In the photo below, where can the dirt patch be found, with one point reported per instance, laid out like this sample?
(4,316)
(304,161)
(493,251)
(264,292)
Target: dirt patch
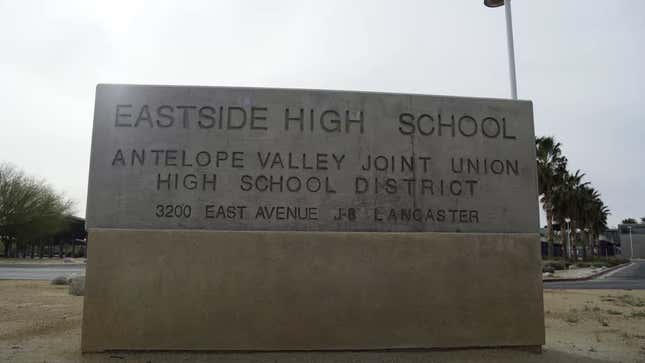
(604,324)
(34,314)
(32,308)
(40,322)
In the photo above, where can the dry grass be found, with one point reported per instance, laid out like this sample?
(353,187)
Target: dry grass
(27,308)
(602,324)
(41,322)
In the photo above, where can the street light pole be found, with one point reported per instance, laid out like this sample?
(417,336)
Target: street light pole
(509,41)
(631,244)
(568,230)
(511,48)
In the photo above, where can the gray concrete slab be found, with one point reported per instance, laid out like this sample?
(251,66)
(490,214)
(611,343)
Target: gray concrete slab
(310,160)
(226,290)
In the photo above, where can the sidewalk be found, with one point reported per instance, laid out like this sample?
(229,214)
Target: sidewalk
(579,274)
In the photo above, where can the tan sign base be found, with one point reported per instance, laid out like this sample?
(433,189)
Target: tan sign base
(215,290)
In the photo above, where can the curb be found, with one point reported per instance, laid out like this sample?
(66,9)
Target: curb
(592,276)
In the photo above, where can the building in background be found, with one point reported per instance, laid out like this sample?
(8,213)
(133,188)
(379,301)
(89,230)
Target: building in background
(558,250)
(632,240)
(609,243)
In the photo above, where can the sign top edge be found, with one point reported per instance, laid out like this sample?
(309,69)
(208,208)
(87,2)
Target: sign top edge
(117,85)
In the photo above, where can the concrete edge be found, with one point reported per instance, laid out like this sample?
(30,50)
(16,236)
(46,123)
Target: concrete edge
(191,230)
(534,349)
(592,276)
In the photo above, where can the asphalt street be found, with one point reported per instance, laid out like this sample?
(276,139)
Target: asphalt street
(631,277)
(38,272)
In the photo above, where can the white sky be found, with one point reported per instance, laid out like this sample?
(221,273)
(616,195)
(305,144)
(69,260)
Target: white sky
(582,62)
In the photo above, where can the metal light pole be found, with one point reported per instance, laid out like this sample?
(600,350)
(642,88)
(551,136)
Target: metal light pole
(568,229)
(509,41)
(631,244)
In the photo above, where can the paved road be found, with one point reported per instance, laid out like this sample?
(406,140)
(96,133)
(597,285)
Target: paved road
(629,278)
(38,272)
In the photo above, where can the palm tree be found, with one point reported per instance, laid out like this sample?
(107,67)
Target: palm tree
(551,169)
(599,222)
(564,203)
(578,203)
(587,200)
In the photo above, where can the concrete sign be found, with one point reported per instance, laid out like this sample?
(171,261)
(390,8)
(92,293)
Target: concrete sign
(302,160)
(202,201)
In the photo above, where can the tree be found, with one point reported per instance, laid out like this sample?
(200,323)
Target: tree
(579,204)
(566,198)
(598,223)
(592,216)
(551,169)
(30,211)
(629,221)
(563,203)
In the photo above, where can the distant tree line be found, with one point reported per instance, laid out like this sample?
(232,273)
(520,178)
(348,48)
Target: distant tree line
(567,198)
(33,216)
(632,220)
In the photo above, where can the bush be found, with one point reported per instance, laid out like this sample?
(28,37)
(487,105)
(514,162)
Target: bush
(638,314)
(617,261)
(60,280)
(572,316)
(77,286)
(602,261)
(548,268)
(555,265)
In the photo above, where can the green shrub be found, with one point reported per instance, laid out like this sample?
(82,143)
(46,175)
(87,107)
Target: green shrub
(555,265)
(548,268)
(60,280)
(617,261)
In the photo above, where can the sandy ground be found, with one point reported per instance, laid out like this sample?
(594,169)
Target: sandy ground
(41,323)
(605,324)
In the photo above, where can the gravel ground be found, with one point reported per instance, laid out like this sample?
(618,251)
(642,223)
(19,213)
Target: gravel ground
(41,323)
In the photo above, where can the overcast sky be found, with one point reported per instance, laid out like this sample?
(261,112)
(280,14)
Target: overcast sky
(582,63)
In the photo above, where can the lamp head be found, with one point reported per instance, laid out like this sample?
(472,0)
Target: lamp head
(493,3)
